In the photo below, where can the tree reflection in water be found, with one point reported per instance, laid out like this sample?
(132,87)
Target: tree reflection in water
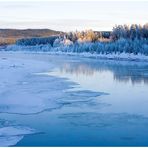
(123,71)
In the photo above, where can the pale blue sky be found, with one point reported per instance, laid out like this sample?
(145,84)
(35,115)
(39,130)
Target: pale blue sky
(71,15)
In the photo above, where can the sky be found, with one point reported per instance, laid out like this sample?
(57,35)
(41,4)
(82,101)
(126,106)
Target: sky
(71,15)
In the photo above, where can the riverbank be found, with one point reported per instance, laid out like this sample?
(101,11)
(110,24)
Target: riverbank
(47,49)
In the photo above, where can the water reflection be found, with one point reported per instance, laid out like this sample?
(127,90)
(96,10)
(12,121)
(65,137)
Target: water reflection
(136,72)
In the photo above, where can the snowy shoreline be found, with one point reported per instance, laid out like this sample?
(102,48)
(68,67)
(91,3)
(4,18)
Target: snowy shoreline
(43,50)
(113,56)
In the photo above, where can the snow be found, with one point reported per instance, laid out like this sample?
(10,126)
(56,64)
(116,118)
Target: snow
(58,51)
(111,56)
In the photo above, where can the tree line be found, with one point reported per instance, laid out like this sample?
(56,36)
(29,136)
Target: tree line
(123,38)
(132,32)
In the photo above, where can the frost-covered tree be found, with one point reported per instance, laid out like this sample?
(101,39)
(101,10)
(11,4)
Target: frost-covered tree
(130,32)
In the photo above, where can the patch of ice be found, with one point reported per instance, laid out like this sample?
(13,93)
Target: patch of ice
(10,141)
(85,93)
(11,135)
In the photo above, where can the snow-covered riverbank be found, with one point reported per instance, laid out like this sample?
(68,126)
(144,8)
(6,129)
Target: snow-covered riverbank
(53,51)
(113,56)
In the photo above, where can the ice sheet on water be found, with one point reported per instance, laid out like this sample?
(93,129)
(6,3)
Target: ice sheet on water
(25,89)
(24,92)
(10,136)
(35,95)
(11,133)
(15,131)
(82,98)
(9,141)
(85,93)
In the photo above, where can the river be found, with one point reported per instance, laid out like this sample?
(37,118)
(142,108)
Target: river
(73,101)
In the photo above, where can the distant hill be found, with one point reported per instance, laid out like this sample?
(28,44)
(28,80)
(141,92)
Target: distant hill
(9,36)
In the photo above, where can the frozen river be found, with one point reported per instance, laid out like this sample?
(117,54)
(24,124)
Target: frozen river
(51,100)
